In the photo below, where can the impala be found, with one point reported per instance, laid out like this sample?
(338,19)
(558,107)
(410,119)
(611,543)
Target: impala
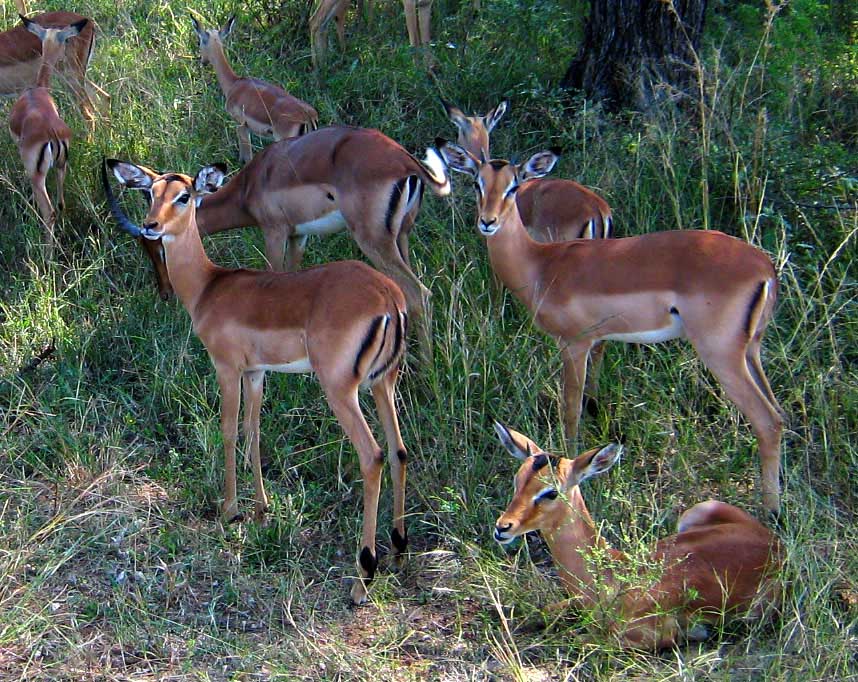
(721,562)
(712,289)
(552,209)
(20,56)
(329,180)
(257,106)
(343,321)
(36,127)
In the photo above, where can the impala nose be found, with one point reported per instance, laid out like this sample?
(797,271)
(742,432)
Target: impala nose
(500,531)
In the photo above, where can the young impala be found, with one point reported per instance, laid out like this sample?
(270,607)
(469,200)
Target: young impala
(552,209)
(329,180)
(257,106)
(343,321)
(722,561)
(36,127)
(20,56)
(714,290)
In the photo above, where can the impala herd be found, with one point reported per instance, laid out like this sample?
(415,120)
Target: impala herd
(549,242)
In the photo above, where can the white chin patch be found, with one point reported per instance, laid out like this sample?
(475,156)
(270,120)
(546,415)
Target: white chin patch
(488,231)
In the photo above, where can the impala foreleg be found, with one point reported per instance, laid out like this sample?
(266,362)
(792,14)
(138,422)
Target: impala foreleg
(253,384)
(591,384)
(275,243)
(574,374)
(155,251)
(295,246)
(384,393)
(245,148)
(229,380)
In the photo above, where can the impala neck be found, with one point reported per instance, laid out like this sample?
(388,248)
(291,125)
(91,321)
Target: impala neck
(224,209)
(46,69)
(513,255)
(188,266)
(225,75)
(572,540)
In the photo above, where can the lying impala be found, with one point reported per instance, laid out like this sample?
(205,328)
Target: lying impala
(257,106)
(418,20)
(329,180)
(37,128)
(722,561)
(344,321)
(552,209)
(20,56)
(714,290)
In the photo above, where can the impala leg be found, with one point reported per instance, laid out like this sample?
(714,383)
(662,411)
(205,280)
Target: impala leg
(591,385)
(424,21)
(253,384)
(275,242)
(295,245)
(574,373)
(340,22)
(384,393)
(318,43)
(46,210)
(411,22)
(245,149)
(229,380)
(155,251)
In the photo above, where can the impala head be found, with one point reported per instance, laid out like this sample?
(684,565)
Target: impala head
(54,39)
(474,131)
(495,181)
(543,481)
(172,197)
(209,38)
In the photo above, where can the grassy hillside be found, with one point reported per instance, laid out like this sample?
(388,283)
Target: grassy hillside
(114,564)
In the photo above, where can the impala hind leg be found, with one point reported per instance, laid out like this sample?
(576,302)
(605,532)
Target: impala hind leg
(295,246)
(253,384)
(574,373)
(591,384)
(229,380)
(245,148)
(46,210)
(384,393)
(275,243)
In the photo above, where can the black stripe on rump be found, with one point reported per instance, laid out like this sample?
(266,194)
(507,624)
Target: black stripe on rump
(367,342)
(608,224)
(393,204)
(399,334)
(381,345)
(65,146)
(756,302)
(42,157)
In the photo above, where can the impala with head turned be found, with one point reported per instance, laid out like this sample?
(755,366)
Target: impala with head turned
(256,105)
(21,57)
(343,321)
(712,289)
(38,129)
(721,563)
(324,182)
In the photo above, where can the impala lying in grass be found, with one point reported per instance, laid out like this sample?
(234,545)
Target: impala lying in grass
(722,562)
(343,321)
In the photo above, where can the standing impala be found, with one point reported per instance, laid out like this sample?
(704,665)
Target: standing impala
(722,561)
(714,290)
(329,180)
(257,106)
(37,128)
(20,56)
(344,321)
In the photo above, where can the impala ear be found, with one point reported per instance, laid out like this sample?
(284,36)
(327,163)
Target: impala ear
(538,165)
(71,31)
(131,175)
(209,179)
(495,115)
(227,28)
(457,158)
(594,462)
(36,29)
(515,443)
(198,29)
(456,115)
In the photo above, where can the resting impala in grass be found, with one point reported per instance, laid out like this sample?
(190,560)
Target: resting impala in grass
(327,181)
(552,209)
(257,106)
(714,290)
(20,56)
(37,128)
(343,321)
(722,561)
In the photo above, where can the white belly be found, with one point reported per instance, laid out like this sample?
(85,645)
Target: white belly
(672,331)
(328,224)
(301,366)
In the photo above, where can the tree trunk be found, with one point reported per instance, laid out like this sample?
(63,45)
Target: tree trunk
(633,47)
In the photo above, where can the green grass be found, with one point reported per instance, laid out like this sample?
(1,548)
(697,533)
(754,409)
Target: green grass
(114,564)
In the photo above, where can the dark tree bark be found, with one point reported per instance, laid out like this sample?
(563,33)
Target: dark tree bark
(632,46)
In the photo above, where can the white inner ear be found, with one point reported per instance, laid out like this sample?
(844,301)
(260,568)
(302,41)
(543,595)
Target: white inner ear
(198,200)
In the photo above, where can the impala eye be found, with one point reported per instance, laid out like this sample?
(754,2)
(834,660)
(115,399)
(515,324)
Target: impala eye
(182,199)
(546,494)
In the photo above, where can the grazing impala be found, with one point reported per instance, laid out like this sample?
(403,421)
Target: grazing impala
(714,290)
(722,561)
(257,106)
(20,56)
(41,135)
(552,209)
(344,321)
(329,180)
